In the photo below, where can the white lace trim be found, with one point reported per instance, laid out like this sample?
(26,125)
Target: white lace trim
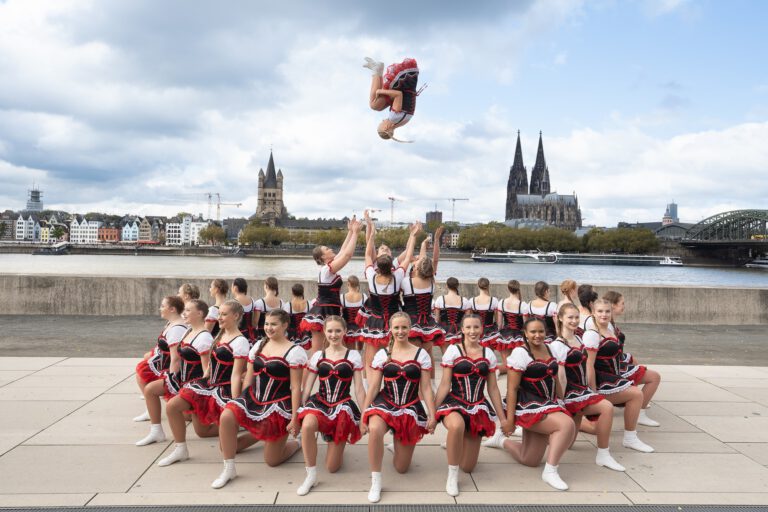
(400,412)
(470,410)
(540,410)
(614,390)
(581,398)
(272,409)
(336,411)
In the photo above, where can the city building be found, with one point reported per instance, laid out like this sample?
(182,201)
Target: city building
(670,214)
(184,231)
(109,233)
(152,230)
(452,240)
(435,217)
(84,231)
(7,226)
(538,201)
(27,229)
(270,208)
(233,226)
(34,200)
(129,231)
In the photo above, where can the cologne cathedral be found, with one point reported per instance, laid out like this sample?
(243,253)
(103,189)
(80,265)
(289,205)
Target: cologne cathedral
(537,202)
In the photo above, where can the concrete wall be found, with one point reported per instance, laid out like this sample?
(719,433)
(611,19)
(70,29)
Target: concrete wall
(97,295)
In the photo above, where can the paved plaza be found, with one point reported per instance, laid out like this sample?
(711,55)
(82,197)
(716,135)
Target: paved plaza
(67,439)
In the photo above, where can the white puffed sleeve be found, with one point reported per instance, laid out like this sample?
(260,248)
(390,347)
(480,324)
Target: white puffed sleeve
(559,351)
(519,359)
(424,360)
(240,347)
(379,359)
(356,359)
(312,364)
(254,350)
(449,356)
(591,340)
(202,342)
(296,357)
(175,334)
(493,363)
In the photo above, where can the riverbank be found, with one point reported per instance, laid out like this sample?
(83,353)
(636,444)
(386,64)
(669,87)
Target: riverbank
(43,295)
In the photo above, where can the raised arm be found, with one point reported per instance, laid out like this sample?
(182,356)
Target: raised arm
(348,248)
(436,238)
(370,235)
(397,98)
(407,255)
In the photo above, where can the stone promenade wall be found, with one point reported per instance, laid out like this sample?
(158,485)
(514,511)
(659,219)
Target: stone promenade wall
(98,295)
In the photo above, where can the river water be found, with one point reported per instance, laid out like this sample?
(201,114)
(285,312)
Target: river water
(305,268)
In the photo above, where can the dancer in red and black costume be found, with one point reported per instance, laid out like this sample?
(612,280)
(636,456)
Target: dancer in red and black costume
(587,297)
(218,291)
(485,306)
(394,89)
(568,292)
(532,403)
(351,303)
(297,308)
(329,284)
(449,309)
(249,321)
(404,370)
(543,309)
(639,374)
(264,305)
(468,370)
(418,292)
(512,319)
(205,398)
(331,411)
(268,406)
(158,360)
(189,359)
(384,288)
(579,398)
(604,373)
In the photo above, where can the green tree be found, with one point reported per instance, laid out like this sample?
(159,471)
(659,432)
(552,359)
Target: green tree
(3,227)
(57,232)
(213,234)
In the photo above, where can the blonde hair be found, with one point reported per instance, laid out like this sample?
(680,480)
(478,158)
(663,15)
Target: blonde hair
(235,308)
(399,314)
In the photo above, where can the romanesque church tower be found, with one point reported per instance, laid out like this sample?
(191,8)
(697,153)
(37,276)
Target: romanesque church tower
(270,207)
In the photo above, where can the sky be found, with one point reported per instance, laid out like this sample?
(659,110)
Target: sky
(143,107)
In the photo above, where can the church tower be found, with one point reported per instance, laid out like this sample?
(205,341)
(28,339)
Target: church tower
(517,183)
(540,184)
(270,207)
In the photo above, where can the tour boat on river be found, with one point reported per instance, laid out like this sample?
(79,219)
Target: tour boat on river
(761,262)
(537,257)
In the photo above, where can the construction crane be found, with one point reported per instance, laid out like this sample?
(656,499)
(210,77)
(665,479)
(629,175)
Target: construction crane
(453,205)
(218,204)
(392,209)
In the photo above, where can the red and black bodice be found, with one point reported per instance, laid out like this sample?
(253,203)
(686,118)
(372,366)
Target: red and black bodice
(539,380)
(271,379)
(246,327)
(487,315)
(575,366)
(295,320)
(513,320)
(335,379)
(418,305)
(222,363)
(608,359)
(383,306)
(401,382)
(350,315)
(450,318)
(191,367)
(328,293)
(468,379)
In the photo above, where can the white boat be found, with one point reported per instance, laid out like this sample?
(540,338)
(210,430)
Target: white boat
(515,257)
(761,262)
(671,260)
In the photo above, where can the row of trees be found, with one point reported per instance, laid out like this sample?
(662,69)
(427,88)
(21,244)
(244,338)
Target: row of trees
(496,236)
(493,236)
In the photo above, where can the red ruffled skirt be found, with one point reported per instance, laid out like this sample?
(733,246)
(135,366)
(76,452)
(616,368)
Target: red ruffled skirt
(478,418)
(146,373)
(393,70)
(408,423)
(337,424)
(206,402)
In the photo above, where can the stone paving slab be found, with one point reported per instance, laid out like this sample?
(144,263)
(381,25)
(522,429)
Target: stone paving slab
(70,427)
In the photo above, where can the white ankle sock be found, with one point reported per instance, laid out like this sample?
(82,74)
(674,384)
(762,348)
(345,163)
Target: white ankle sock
(179,453)
(551,476)
(604,458)
(374,495)
(309,482)
(156,435)
(452,484)
(227,474)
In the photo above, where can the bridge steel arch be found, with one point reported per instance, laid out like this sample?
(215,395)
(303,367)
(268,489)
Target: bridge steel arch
(733,226)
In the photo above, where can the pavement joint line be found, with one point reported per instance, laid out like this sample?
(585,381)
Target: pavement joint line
(36,371)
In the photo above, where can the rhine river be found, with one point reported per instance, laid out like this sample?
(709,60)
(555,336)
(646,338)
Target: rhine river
(305,268)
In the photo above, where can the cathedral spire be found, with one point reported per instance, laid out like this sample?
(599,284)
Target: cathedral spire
(540,184)
(518,174)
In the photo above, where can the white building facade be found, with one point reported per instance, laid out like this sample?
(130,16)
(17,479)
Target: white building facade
(27,229)
(184,231)
(130,232)
(84,231)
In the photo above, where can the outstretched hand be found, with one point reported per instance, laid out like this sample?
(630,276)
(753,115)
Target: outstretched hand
(439,233)
(415,228)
